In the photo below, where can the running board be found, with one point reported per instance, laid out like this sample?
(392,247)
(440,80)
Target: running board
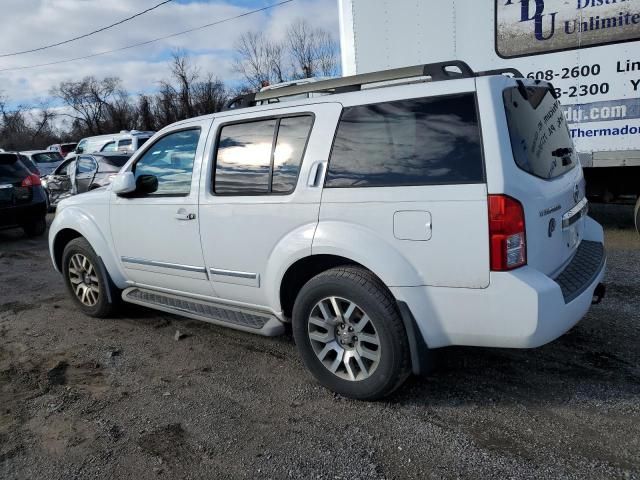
(251,321)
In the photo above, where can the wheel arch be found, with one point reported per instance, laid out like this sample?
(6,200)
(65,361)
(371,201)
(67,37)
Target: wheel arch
(73,223)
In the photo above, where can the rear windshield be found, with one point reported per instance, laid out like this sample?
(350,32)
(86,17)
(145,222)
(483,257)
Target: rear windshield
(540,138)
(49,157)
(11,169)
(112,164)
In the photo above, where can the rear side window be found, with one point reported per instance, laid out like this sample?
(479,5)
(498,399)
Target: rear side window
(427,141)
(12,169)
(263,157)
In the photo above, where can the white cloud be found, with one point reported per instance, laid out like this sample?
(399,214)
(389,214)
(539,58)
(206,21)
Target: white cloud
(33,23)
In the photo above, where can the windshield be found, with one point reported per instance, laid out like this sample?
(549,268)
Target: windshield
(540,138)
(48,157)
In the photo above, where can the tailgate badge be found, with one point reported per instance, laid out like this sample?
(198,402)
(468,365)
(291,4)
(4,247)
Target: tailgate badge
(552,227)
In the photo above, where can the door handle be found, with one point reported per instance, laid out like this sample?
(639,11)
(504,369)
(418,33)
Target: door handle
(315,175)
(185,216)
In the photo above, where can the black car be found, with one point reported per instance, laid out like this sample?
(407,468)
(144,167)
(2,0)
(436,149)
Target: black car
(23,202)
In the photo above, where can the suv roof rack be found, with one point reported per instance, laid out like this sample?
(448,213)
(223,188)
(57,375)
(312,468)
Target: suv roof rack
(440,71)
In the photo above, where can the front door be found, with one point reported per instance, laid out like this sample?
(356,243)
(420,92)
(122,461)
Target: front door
(157,234)
(86,168)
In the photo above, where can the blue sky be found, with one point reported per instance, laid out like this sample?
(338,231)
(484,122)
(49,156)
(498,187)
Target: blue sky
(33,23)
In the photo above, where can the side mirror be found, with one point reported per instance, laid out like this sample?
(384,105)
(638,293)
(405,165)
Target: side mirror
(146,184)
(79,150)
(124,183)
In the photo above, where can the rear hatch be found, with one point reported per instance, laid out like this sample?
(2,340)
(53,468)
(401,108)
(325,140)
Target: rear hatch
(16,181)
(554,202)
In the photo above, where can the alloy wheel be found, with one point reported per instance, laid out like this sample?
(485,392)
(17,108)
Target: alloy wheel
(84,280)
(344,338)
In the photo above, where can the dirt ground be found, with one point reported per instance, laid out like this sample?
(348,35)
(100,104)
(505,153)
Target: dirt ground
(81,398)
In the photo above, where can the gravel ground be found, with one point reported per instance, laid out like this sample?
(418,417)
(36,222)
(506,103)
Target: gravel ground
(82,398)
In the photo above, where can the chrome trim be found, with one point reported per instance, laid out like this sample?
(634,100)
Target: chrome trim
(231,273)
(575,214)
(173,266)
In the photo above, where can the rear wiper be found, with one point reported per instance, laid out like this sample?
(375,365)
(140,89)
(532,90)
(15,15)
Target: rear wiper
(565,154)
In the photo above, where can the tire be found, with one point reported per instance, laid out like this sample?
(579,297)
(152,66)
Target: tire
(637,215)
(35,228)
(87,281)
(366,309)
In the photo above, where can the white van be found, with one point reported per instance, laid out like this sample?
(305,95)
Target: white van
(127,141)
(445,208)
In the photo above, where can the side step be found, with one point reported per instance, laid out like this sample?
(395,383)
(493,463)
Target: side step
(251,321)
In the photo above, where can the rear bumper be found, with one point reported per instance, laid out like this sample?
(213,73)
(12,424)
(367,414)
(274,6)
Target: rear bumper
(519,309)
(22,214)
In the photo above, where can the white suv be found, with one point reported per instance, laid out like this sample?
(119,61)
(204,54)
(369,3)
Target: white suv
(380,222)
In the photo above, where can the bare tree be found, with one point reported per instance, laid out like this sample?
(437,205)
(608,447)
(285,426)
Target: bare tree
(313,52)
(209,96)
(259,60)
(186,74)
(88,100)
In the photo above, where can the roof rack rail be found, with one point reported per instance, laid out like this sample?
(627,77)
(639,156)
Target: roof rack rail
(440,71)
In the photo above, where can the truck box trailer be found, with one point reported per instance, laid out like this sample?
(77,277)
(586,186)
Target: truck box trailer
(588,49)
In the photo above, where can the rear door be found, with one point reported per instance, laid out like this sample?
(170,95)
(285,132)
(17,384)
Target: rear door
(544,174)
(260,198)
(406,171)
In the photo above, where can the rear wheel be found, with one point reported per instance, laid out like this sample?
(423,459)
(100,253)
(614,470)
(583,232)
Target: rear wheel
(637,214)
(35,228)
(88,281)
(350,334)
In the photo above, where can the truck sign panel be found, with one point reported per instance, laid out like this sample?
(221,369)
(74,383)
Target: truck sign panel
(588,49)
(532,27)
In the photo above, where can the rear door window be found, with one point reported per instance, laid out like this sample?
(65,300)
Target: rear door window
(261,157)
(540,138)
(425,141)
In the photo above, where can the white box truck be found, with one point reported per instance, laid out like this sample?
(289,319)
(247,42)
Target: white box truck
(588,49)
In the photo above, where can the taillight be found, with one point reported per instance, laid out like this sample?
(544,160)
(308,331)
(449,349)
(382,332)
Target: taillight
(31,181)
(507,233)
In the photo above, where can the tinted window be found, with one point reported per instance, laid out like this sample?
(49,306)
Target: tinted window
(170,159)
(540,139)
(243,162)
(427,141)
(249,162)
(142,141)
(30,164)
(124,145)
(292,140)
(49,157)
(85,165)
(12,169)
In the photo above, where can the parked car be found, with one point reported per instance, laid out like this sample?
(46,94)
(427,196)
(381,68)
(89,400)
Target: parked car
(126,141)
(22,198)
(46,161)
(63,148)
(82,174)
(380,222)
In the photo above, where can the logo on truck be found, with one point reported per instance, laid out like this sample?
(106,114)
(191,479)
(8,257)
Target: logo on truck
(529,27)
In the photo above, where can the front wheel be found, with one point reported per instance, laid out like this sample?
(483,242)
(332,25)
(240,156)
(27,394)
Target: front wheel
(87,280)
(350,334)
